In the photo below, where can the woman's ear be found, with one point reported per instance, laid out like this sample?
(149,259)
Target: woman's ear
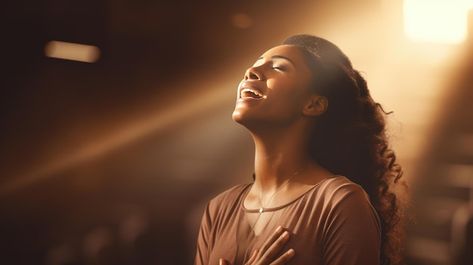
(315,106)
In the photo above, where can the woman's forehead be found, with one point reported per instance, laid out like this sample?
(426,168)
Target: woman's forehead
(292,52)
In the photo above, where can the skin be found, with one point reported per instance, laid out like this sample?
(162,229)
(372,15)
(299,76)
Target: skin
(268,253)
(279,125)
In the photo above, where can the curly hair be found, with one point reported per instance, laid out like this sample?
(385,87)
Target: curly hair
(350,137)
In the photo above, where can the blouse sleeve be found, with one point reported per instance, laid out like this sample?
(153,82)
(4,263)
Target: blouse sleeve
(352,232)
(202,251)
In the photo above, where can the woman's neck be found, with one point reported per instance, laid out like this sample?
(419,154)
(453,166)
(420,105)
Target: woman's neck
(280,155)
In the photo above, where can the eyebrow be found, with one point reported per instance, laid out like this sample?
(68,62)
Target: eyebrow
(278,57)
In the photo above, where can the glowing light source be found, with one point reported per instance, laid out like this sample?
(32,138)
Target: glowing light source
(72,51)
(440,21)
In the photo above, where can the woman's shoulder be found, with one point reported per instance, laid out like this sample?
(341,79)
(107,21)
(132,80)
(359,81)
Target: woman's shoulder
(230,193)
(338,188)
(227,197)
(343,199)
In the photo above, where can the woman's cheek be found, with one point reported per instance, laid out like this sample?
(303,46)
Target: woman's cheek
(280,85)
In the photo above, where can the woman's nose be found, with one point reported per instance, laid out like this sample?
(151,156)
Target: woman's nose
(252,73)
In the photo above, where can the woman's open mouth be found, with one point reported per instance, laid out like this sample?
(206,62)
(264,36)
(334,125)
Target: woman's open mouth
(251,93)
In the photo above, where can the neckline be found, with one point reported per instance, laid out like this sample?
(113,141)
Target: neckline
(271,209)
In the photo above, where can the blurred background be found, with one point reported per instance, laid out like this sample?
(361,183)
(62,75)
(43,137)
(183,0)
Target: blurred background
(116,121)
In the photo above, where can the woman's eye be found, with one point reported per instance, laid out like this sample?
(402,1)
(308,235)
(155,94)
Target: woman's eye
(280,68)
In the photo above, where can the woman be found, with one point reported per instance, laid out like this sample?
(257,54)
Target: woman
(324,174)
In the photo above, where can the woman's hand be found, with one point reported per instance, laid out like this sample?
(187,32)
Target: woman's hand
(267,254)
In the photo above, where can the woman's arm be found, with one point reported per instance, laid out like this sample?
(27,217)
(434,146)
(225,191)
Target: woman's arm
(202,250)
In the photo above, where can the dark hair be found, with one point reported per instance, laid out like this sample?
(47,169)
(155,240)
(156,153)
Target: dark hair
(350,138)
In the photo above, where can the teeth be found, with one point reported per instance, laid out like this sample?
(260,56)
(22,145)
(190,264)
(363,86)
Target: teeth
(252,91)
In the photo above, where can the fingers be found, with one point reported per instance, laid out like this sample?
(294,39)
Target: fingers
(270,249)
(271,239)
(275,247)
(284,258)
(252,257)
(223,262)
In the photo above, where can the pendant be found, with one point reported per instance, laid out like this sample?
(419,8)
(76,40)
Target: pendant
(261,210)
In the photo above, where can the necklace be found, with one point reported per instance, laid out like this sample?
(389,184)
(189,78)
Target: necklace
(262,209)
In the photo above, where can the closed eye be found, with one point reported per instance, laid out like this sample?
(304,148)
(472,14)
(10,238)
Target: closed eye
(279,68)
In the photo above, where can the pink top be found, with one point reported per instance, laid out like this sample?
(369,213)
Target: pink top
(333,223)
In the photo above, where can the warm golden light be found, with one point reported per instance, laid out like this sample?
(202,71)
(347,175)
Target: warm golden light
(72,51)
(137,129)
(439,21)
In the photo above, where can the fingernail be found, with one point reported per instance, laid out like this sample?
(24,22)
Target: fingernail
(291,252)
(220,262)
(286,234)
(279,229)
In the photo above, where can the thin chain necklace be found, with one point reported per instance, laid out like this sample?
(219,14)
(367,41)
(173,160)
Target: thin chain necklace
(262,209)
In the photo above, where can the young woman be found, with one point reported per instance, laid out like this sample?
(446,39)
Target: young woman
(324,174)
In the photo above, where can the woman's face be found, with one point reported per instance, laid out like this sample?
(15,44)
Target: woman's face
(274,90)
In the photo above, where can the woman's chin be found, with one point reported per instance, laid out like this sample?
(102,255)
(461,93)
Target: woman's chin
(241,116)
(238,116)
(250,122)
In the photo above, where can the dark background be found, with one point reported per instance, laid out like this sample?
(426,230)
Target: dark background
(112,162)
